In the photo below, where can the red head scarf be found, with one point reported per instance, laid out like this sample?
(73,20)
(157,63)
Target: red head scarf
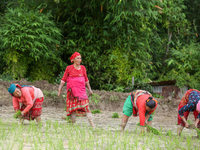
(74,56)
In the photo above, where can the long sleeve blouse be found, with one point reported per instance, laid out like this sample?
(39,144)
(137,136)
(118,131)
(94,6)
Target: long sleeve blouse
(28,95)
(141,104)
(72,72)
(194,98)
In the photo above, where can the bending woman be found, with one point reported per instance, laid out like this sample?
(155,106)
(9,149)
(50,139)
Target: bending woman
(141,103)
(31,99)
(77,100)
(189,102)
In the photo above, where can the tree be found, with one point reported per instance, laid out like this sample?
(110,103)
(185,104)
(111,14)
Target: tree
(31,43)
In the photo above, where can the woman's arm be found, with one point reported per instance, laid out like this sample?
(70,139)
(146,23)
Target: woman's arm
(146,118)
(186,123)
(60,88)
(197,121)
(26,94)
(15,104)
(89,88)
(185,108)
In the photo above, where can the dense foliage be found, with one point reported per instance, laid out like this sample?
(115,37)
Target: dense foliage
(150,40)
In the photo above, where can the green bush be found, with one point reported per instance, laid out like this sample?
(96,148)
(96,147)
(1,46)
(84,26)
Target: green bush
(157,95)
(141,86)
(31,43)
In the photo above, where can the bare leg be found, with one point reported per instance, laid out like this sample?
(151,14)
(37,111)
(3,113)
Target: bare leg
(38,119)
(179,129)
(124,122)
(73,117)
(89,116)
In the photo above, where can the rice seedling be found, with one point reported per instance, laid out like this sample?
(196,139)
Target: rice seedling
(95,98)
(153,130)
(96,111)
(59,135)
(115,115)
(17,114)
(193,127)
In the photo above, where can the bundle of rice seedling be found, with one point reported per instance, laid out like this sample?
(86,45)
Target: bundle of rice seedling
(153,130)
(17,114)
(96,111)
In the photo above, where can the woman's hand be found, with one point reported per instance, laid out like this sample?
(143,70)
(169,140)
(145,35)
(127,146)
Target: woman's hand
(90,92)
(196,123)
(142,131)
(185,121)
(187,124)
(59,93)
(22,113)
(60,88)
(146,121)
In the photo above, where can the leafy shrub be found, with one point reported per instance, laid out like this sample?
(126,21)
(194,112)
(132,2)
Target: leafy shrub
(115,115)
(157,95)
(30,41)
(119,89)
(141,86)
(6,77)
(59,77)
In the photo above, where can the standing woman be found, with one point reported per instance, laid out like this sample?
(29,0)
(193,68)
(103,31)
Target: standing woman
(31,99)
(139,103)
(189,102)
(77,100)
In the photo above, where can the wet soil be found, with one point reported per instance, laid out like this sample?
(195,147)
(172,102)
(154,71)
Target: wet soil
(108,102)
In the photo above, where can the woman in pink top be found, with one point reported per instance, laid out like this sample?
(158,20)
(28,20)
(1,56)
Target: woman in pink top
(77,100)
(31,99)
(139,103)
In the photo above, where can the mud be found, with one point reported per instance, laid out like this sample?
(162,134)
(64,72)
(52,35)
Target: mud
(109,102)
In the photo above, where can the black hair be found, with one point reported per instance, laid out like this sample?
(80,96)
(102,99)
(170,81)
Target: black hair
(150,103)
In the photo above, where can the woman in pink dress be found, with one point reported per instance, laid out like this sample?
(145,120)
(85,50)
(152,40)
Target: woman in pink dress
(77,100)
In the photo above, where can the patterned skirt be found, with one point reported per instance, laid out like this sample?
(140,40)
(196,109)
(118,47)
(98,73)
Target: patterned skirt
(35,111)
(73,105)
(191,95)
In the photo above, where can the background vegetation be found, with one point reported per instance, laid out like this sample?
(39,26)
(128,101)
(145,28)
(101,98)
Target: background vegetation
(151,40)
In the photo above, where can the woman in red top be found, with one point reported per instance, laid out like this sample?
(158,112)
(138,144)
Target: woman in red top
(31,99)
(77,100)
(139,103)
